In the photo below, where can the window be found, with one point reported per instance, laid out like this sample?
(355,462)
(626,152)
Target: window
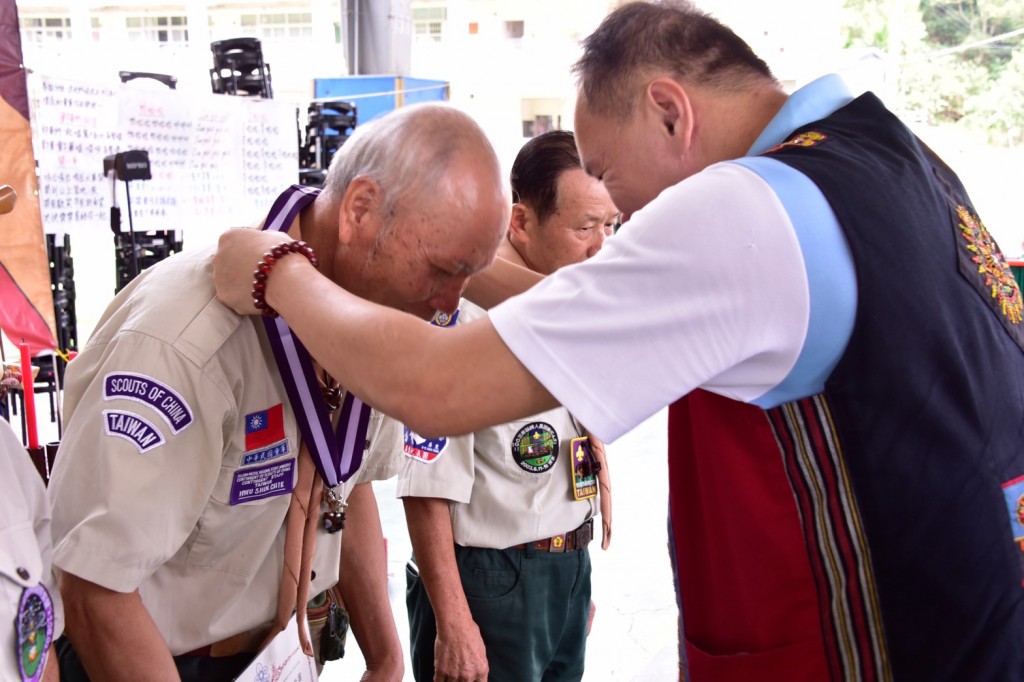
(539,125)
(157,29)
(514,29)
(428,23)
(279,26)
(44,29)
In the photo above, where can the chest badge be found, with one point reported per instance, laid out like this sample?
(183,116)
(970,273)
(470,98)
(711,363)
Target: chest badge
(584,469)
(535,447)
(809,138)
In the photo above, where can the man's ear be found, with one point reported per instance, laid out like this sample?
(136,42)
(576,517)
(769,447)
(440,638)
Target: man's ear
(360,209)
(669,104)
(522,222)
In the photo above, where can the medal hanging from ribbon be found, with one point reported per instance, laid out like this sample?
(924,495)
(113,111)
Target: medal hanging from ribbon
(338,453)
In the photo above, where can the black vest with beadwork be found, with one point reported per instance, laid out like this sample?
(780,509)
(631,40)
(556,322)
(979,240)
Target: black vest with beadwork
(915,517)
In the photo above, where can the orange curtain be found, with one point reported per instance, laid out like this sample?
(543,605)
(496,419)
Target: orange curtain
(26,300)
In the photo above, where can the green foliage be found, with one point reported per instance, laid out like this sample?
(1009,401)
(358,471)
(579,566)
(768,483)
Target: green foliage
(998,111)
(950,70)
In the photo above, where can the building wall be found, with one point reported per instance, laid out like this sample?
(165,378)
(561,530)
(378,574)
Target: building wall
(508,61)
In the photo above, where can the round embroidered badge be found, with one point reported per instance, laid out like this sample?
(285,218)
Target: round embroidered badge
(33,632)
(535,447)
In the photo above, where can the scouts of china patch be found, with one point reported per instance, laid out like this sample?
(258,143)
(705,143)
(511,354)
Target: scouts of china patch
(806,139)
(426,450)
(33,632)
(982,263)
(148,391)
(1013,491)
(535,447)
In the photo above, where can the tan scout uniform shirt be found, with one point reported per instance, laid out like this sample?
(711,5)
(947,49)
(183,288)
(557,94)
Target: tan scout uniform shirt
(156,450)
(24,544)
(495,501)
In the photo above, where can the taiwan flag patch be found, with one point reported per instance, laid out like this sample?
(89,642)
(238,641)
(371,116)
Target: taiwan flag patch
(264,428)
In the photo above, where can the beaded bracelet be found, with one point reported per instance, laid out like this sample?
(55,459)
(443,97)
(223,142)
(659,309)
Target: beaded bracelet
(263,268)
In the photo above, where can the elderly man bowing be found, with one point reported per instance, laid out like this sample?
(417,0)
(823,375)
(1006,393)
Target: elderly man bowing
(187,505)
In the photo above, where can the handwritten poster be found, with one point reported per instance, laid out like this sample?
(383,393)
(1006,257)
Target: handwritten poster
(215,159)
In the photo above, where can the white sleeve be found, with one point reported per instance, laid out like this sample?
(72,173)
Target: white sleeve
(703,288)
(22,487)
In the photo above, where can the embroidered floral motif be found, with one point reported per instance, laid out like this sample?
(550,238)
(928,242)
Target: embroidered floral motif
(991,265)
(807,139)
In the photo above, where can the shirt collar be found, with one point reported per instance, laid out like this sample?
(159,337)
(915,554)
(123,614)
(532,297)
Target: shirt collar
(813,102)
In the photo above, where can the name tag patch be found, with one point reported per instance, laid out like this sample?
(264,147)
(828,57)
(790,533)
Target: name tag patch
(260,483)
(132,428)
(264,454)
(147,390)
(422,449)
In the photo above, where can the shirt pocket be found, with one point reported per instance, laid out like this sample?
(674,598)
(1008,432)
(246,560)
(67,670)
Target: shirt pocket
(236,538)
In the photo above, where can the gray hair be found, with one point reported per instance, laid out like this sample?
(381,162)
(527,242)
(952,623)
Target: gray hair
(407,152)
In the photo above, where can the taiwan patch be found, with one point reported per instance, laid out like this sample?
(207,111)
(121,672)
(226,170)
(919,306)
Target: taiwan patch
(422,449)
(535,447)
(982,263)
(132,428)
(147,390)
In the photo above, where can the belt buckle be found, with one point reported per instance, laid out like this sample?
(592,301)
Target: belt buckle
(557,543)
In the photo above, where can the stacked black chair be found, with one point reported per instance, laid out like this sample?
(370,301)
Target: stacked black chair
(167,79)
(328,127)
(239,69)
(62,284)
